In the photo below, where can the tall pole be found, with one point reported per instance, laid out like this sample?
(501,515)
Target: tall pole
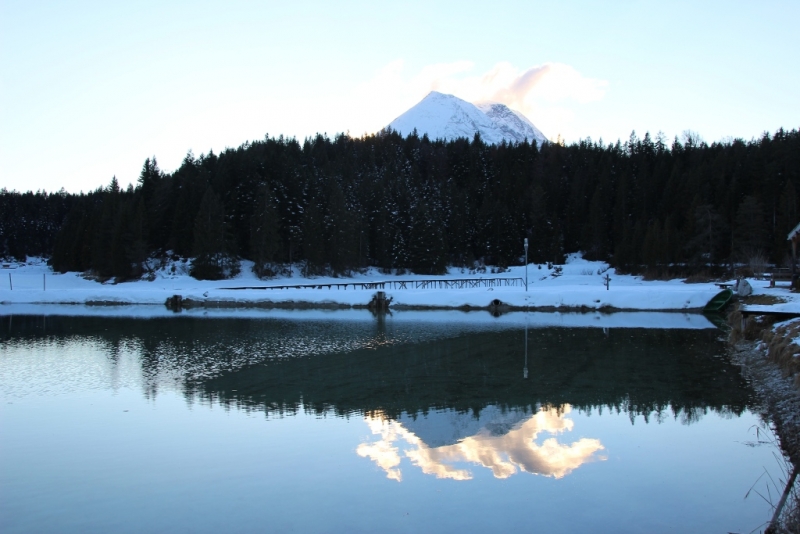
(526,264)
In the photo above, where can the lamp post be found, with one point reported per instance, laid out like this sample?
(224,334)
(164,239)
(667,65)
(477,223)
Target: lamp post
(526,264)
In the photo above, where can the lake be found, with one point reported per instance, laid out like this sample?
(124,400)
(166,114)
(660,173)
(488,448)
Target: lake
(341,421)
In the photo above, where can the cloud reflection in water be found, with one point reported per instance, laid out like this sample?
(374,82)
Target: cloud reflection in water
(504,453)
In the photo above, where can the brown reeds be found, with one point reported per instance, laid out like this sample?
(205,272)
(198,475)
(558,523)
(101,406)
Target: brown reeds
(783,349)
(751,329)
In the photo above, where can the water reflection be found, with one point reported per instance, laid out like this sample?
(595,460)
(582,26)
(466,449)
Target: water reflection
(501,444)
(440,401)
(389,366)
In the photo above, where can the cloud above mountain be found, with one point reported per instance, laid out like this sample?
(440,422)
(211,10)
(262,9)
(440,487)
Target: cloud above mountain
(550,94)
(516,88)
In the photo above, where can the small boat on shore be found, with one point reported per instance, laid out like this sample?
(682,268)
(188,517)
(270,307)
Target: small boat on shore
(719,301)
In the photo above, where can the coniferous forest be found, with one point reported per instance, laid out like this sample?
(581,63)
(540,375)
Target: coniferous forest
(337,205)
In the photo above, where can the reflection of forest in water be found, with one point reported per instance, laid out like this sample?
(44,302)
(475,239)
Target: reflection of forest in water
(442,397)
(398,370)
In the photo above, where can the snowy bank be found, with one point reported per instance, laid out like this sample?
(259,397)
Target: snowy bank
(579,284)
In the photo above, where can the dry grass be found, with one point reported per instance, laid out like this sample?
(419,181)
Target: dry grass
(94,277)
(757,263)
(761,299)
(690,272)
(783,350)
(790,518)
(780,345)
(666,273)
(653,275)
(792,522)
(700,278)
(754,326)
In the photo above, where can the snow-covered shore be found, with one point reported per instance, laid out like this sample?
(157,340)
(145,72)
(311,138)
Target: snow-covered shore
(579,285)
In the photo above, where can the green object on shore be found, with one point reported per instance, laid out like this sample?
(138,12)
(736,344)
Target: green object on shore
(719,301)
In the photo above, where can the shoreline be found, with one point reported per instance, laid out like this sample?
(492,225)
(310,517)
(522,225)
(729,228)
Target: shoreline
(780,397)
(566,298)
(474,317)
(501,307)
(779,400)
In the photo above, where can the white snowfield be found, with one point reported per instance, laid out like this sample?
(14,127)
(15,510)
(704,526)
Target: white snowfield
(442,116)
(580,285)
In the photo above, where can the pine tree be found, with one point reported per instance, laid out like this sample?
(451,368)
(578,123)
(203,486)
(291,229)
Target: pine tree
(182,232)
(342,233)
(710,232)
(137,251)
(149,179)
(313,238)
(264,236)
(750,234)
(213,259)
(428,250)
(786,219)
(119,265)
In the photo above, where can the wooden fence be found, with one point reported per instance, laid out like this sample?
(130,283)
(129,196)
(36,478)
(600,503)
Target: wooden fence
(458,283)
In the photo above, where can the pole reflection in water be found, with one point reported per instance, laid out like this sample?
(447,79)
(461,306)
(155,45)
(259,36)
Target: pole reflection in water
(190,423)
(525,369)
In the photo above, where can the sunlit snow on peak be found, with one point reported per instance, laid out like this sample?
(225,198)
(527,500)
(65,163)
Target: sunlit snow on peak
(443,116)
(514,125)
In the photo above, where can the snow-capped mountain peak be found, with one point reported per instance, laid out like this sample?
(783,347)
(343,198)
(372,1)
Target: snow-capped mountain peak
(513,124)
(443,116)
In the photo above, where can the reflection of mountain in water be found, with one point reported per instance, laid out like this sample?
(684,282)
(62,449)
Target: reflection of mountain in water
(416,368)
(495,444)
(446,427)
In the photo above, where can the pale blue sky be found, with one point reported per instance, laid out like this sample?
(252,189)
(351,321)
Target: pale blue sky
(88,90)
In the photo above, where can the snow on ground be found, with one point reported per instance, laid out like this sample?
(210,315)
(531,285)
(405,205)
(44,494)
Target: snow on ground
(580,284)
(791,301)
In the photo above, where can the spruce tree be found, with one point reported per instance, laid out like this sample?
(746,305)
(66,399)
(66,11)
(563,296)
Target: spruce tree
(264,235)
(750,234)
(213,259)
(427,248)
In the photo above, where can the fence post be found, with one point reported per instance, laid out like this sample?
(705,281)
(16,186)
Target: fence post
(9,282)
(44,283)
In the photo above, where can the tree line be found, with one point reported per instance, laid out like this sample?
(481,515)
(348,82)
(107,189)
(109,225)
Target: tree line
(411,203)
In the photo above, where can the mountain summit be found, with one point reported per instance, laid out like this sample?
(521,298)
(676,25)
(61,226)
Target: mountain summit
(448,117)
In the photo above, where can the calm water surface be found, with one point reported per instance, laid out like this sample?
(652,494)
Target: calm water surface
(365,424)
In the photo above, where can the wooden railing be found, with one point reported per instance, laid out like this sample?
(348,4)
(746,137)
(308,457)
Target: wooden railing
(458,283)
(779,275)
